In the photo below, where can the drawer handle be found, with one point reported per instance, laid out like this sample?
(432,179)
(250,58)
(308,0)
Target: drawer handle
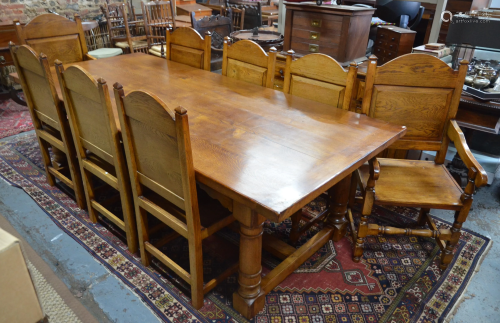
(316,22)
(314,35)
(313,48)
(390,46)
(390,54)
(393,38)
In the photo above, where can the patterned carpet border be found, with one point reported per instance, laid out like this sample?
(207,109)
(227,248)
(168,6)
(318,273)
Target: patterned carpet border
(14,119)
(177,310)
(171,305)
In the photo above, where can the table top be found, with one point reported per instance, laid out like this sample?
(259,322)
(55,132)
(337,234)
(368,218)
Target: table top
(268,150)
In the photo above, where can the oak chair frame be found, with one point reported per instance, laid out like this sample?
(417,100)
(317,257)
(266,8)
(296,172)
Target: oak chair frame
(99,154)
(401,74)
(181,213)
(159,16)
(118,22)
(324,74)
(39,32)
(247,56)
(186,46)
(49,117)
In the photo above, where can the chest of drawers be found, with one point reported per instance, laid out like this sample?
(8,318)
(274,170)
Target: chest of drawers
(338,31)
(392,42)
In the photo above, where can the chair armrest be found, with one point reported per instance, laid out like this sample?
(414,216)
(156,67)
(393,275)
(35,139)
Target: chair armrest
(89,57)
(457,136)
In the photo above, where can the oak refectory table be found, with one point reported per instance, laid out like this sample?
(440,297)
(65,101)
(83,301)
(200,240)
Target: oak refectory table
(264,154)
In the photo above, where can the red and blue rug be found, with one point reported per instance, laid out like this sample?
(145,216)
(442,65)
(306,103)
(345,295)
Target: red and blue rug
(398,279)
(14,119)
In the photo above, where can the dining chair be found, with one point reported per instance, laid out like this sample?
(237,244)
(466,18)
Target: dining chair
(245,60)
(158,18)
(422,93)
(158,149)
(219,27)
(98,148)
(253,12)
(125,31)
(237,16)
(185,45)
(55,36)
(49,119)
(320,78)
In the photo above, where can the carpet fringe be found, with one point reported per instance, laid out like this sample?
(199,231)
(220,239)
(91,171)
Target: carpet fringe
(461,299)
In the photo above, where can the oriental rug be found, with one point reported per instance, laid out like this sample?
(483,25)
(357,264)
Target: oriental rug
(398,279)
(14,119)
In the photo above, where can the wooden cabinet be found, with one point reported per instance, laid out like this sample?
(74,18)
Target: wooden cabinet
(338,31)
(392,42)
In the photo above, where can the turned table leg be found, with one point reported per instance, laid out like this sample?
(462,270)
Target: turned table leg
(246,300)
(339,197)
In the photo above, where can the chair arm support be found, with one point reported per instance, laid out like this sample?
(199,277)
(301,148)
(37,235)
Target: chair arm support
(89,57)
(374,172)
(457,136)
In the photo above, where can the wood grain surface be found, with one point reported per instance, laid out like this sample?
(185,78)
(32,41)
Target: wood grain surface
(270,151)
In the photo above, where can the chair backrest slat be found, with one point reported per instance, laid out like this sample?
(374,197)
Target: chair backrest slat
(55,36)
(418,91)
(320,78)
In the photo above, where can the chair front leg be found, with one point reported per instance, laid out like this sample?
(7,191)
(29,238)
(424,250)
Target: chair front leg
(368,199)
(460,218)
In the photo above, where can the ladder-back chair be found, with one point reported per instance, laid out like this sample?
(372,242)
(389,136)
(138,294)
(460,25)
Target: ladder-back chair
(185,45)
(99,151)
(158,149)
(55,36)
(158,18)
(49,119)
(245,60)
(422,93)
(124,30)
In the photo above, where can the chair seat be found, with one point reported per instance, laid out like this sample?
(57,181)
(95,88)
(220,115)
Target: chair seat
(156,50)
(136,44)
(414,183)
(106,52)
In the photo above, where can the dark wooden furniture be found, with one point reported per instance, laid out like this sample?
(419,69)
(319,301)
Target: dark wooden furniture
(392,42)
(98,146)
(253,13)
(49,119)
(185,45)
(124,30)
(8,88)
(249,161)
(158,18)
(421,93)
(245,60)
(338,31)
(237,17)
(55,36)
(164,185)
(219,27)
